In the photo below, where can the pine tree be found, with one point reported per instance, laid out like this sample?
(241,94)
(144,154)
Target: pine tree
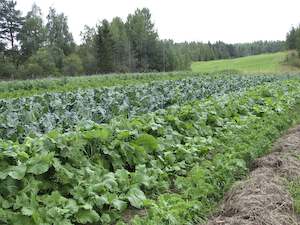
(10,25)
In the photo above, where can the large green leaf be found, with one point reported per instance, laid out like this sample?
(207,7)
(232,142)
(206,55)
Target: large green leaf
(63,175)
(31,185)
(136,197)
(57,212)
(9,153)
(119,204)
(148,142)
(105,218)
(40,164)
(16,172)
(84,216)
(19,219)
(101,134)
(27,211)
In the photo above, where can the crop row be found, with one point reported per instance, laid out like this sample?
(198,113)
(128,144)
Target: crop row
(9,90)
(93,173)
(62,111)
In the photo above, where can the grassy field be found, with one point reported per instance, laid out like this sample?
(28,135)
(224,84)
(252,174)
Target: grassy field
(265,64)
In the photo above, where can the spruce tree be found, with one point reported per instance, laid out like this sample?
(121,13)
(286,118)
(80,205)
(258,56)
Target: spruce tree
(104,47)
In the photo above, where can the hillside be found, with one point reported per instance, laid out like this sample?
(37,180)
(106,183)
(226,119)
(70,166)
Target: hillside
(265,63)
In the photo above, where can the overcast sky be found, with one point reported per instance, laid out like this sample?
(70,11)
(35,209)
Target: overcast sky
(230,21)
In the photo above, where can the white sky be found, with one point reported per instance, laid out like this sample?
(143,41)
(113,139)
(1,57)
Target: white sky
(230,21)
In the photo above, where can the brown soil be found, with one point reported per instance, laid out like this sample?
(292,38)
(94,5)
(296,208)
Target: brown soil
(263,198)
(130,213)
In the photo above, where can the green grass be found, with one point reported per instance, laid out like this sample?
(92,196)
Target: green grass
(294,187)
(266,63)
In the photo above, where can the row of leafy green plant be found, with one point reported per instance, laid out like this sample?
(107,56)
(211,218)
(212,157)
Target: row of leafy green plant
(62,111)
(9,90)
(175,163)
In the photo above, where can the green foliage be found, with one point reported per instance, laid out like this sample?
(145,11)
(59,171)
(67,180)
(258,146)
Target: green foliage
(58,32)
(57,56)
(62,111)
(8,68)
(132,46)
(121,46)
(220,50)
(104,46)
(116,47)
(294,187)
(42,59)
(32,35)
(33,69)
(87,51)
(293,39)
(28,88)
(94,172)
(72,65)
(10,24)
(143,36)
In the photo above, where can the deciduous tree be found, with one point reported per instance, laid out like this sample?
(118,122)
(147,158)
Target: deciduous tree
(87,51)
(43,58)
(120,38)
(58,32)
(143,37)
(57,56)
(33,33)
(72,65)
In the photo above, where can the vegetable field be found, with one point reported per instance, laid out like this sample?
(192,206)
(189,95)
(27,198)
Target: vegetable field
(14,89)
(169,148)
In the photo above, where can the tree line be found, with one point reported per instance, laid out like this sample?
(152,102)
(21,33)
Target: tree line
(220,50)
(30,46)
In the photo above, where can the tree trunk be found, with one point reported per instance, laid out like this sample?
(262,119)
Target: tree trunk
(12,42)
(129,56)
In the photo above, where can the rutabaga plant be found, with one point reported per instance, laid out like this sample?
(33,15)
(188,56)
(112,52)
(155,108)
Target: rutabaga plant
(93,173)
(62,111)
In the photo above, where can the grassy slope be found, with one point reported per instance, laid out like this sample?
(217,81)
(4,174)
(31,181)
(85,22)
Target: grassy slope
(266,63)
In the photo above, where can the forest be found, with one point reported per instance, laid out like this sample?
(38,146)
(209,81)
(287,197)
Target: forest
(33,48)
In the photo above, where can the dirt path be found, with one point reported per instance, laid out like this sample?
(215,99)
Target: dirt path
(263,198)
